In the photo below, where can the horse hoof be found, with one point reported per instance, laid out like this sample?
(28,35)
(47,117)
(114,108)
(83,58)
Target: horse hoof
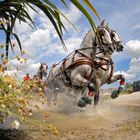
(114,94)
(82,109)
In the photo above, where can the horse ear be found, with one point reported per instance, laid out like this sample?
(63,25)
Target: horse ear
(108,28)
(104,23)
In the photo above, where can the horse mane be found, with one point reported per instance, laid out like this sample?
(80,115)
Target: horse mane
(85,37)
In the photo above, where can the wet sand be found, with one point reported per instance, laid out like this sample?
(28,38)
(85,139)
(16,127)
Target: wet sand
(114,119)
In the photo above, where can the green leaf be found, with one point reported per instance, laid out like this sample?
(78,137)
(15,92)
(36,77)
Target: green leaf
(83,10)
(7,32)
(63,1)
(92,8)
(28,16)
(18,40)
(7,41)
(51,18)
(60,13)
(11,47)
(57,17)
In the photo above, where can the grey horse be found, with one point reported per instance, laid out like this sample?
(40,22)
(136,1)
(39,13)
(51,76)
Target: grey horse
(81,60)
(82,69)
(42,71)
(41,76)
(104,74)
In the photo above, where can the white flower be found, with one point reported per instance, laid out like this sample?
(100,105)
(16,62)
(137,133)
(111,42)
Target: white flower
(30,114)
(3,105)
(15,124)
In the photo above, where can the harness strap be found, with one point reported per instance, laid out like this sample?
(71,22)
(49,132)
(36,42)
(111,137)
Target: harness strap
(101,63)
(83,61)
(82,54)
(101,58)
(106,62)
(78,63)
(86,61)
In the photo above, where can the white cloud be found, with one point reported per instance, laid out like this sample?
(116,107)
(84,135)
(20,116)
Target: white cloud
(10,72)
(133,48)
(128,76)
(73,15)
(44,40)
(136,27)
(133,70)
(23,68)
(71,44)
(43,37)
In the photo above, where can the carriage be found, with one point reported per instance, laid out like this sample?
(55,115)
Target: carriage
(136,86)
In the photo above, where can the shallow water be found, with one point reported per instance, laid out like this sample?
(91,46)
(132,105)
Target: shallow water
(125,107)
(66,114)
(110,120)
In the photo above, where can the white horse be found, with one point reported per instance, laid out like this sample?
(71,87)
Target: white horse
(90,66)
(41,76)
(76,69)
(42,71)
(104,73)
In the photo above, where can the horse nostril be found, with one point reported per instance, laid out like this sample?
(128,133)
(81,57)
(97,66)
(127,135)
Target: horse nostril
(121,47)
(111,49)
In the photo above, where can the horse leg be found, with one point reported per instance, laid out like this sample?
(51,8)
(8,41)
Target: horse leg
(121,86)
(86,99)
(96,98)
(97,92)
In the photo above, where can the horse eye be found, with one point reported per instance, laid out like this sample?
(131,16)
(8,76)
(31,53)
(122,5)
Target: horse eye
(101,32)
(112,34)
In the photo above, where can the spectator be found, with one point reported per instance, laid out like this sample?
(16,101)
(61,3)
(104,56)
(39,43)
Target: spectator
(27,77)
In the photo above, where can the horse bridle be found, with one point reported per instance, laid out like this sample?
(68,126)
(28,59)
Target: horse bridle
(100,45)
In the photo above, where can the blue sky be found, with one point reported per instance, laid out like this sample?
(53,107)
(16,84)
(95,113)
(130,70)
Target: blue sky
(43,45)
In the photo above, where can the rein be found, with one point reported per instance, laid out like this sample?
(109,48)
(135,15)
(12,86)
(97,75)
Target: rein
(88,61)
(75,51)
(94,64)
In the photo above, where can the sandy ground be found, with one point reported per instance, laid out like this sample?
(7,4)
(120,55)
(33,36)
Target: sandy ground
(116,119)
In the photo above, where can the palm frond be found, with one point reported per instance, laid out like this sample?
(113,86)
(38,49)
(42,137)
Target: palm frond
(13,10)
(84,11)
(90,6)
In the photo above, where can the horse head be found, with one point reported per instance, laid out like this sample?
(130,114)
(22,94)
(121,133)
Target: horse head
(104,34)
(43,70)
(117,44)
